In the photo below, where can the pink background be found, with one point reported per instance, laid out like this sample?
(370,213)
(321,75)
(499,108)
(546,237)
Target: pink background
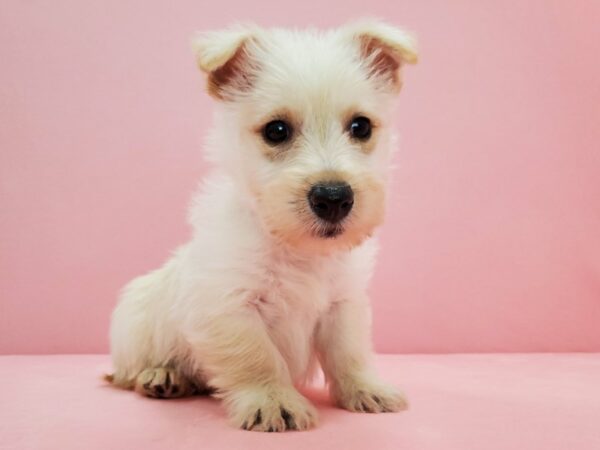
(493,237)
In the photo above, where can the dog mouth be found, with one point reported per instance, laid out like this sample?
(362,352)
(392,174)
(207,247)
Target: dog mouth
(329,231)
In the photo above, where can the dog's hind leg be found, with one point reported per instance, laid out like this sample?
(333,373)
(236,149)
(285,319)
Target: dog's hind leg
(143,338)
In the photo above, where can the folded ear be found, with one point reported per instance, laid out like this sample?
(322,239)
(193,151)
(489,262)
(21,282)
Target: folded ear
(224,56)
(384,49)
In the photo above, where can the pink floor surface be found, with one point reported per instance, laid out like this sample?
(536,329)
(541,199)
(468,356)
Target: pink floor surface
(458,402)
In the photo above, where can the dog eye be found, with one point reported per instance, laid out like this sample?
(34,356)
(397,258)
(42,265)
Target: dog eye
(277,132)
(360,128)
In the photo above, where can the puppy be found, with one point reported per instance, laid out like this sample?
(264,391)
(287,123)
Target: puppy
(273,282)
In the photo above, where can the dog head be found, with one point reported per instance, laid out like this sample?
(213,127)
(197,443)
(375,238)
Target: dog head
(303,124)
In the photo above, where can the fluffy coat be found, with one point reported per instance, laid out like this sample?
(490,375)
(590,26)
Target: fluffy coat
(265,290)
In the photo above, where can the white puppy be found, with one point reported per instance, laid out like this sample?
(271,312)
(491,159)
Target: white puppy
(274,279)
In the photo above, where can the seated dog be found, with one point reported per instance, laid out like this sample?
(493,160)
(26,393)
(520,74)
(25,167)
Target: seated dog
(273,282)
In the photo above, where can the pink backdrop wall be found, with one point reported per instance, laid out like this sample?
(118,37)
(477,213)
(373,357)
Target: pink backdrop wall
(493,237)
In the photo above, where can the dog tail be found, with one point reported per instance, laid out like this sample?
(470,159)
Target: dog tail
(114,381)
(109,377)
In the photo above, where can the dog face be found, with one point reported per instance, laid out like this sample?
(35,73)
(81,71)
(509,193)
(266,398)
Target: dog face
(303,125)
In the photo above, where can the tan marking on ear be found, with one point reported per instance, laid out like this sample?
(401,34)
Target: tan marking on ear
(234,73)
(225,57)
(382,60)
(385,49)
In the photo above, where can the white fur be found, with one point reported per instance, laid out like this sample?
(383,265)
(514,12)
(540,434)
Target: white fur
(257,296)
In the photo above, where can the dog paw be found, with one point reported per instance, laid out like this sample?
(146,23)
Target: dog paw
(268,409)
(162,382)
(361,395)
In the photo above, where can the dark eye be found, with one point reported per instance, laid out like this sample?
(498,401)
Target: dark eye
(277,132)
(360,128)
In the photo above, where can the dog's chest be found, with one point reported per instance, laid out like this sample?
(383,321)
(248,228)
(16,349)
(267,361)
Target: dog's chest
(292,300)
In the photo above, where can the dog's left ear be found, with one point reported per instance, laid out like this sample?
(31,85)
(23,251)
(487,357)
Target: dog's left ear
(384,49)
(225,56)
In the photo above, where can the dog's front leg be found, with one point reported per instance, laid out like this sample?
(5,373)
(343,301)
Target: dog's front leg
(250,375)
(344,347)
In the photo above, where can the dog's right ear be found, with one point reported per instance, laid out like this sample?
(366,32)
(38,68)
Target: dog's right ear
(224,56)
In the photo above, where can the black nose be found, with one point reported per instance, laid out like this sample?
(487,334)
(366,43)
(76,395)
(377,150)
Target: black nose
(331,201)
